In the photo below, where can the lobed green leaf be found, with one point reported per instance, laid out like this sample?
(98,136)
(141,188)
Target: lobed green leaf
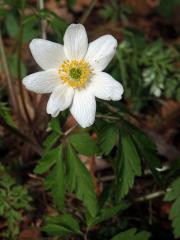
(80,181)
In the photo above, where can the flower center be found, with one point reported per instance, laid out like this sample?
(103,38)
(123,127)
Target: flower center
(75,73)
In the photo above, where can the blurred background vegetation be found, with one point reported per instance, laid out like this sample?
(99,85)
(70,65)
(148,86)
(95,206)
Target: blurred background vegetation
(131,152)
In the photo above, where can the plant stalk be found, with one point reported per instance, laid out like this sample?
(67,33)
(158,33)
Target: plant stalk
(43,22)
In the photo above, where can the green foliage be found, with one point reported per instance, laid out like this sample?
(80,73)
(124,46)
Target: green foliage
(14,200)
(47,161)
(167,7)
(2,11)
(13,62)
(148,152)
(174,195)
(55,134)
(63,225)
(113,12)
(80,181)
(107,138)
(132,234)
(30,31)
(12,26)
(55,181)
(147,69)
(58,184)
(57,24)
(128,164)
(83,143)
(107,212)
(5,115)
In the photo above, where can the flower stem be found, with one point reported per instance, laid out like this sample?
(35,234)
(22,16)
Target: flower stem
(43,22)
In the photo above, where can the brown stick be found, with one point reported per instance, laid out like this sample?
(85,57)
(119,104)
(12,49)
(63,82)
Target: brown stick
(13,98)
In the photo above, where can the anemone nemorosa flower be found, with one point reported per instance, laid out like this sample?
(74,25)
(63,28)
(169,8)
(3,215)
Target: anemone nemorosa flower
(73,73)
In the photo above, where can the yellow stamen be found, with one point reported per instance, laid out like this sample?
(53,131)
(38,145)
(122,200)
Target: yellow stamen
(75,72)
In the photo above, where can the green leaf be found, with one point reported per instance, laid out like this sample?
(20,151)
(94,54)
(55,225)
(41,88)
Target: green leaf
(49,180)
(12,25)
(50,140)
(55,125)
(47,161)
(30,27)
(148,152)
(67,221)
(147,147)
(58,186)
(55,181)
(108,139)
(128,165)
(13,61)
(174,194)
(83,143)
(80,181)
(107,213)
(5,115)
(56,230)
(132,234)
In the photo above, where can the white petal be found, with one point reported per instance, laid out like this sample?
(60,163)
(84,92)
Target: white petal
(75,42)
(42,82)
(46,53)
(101,51)
(60,99)
(84,108)
(105,87)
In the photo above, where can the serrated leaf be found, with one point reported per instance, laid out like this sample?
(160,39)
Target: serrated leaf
(107,213)
(128,165)
(58,186)
(132,234)
(83,143)
(80,181)
(108,139)
(50,140)
(49,180)
(174,192)
(174,215)
(67,221)
(176,222)
(47,161)
(148,151)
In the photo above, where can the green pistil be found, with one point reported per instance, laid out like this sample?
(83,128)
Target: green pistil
(75,73)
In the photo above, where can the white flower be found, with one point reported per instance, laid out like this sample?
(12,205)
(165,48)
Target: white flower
(73,73)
